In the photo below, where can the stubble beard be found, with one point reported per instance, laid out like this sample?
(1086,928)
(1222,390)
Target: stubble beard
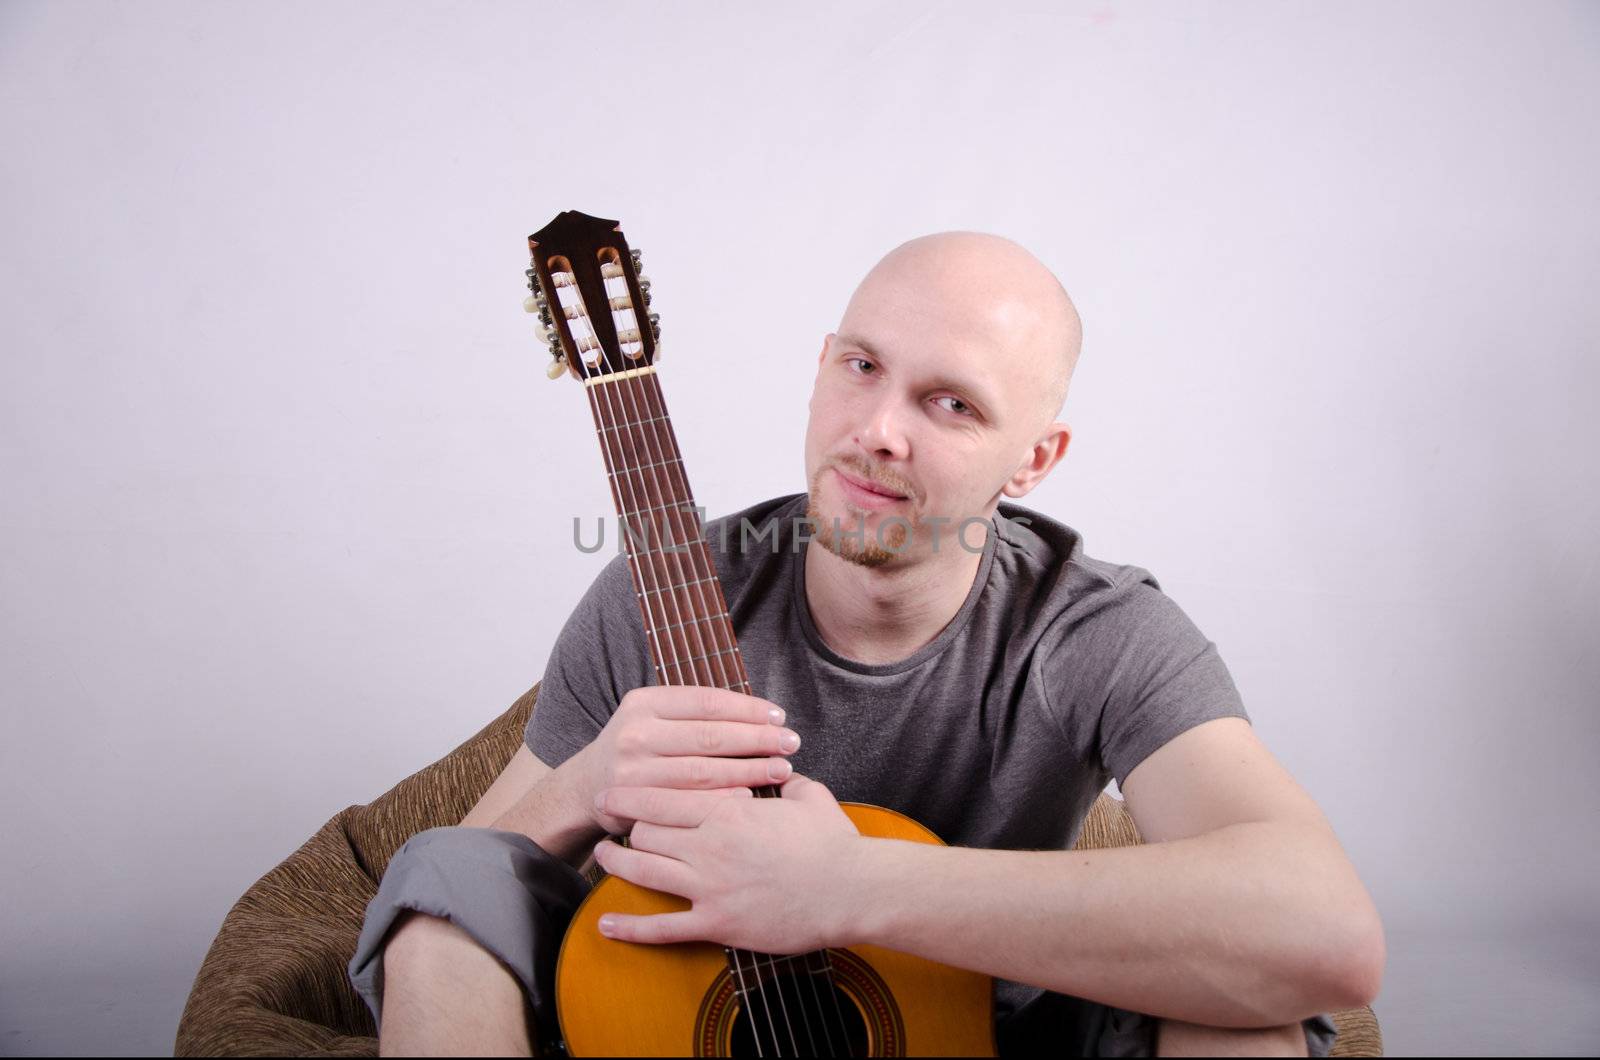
(860,548)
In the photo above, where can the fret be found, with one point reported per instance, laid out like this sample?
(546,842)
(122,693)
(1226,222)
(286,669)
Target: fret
(666,551)
(640,423)
(690,510)
(645,467)
(703,658)
(679,585)
(720,616)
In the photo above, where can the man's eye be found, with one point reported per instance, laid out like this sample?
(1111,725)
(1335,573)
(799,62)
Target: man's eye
(959,407)
(867,365)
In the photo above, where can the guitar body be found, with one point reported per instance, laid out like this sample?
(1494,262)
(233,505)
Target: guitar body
(635,999)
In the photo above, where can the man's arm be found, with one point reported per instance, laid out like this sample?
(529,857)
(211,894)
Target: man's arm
(540,802)
(1239,910)
(515,780)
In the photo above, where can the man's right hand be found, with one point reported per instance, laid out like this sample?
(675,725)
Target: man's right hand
(685,736)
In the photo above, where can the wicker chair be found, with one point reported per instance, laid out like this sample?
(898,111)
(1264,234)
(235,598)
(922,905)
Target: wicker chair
(274,982)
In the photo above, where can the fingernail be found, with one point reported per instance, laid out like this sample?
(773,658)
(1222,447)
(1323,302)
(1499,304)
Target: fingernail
(776,714)
(779,770)
(608,924)
(789,741)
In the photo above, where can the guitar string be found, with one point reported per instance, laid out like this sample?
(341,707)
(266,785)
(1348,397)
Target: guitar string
(707,658)
(658,414)
(622,475)
(655,405)
(719,617)
(650,409)
(698,587)
(621,483)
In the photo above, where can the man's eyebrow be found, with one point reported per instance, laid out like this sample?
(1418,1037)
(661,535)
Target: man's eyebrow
(979,394)
(861,344)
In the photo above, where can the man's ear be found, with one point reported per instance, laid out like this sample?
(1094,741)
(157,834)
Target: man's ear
(1038,461)
(826,340)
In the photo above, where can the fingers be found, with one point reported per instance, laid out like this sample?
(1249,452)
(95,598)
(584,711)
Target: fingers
(805,789)
(698,773)
(681,736)
(686,926)
(664,806)
(655,871)
(718,738)
(693,702)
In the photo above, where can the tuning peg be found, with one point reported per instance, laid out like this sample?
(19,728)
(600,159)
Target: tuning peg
(638,260)
(655,325)
(557,368)
(530,304)
(541,328)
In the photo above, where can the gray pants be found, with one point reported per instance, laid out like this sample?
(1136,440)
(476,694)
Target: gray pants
(516,901)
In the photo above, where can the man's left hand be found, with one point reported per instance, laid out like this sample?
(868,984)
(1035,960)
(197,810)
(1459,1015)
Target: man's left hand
(767,875)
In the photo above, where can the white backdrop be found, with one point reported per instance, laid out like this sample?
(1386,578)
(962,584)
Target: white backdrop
(287,498)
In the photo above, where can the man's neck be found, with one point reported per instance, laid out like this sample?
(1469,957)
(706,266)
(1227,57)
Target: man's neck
(878,615)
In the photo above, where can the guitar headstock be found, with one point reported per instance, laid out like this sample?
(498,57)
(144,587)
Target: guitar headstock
(593,304)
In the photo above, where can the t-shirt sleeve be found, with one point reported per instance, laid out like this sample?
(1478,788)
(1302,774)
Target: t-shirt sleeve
(599,656)
(1136,673)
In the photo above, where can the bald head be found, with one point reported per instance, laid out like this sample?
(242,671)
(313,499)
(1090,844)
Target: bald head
(1001,292)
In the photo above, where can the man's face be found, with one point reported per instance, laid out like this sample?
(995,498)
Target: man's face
(926,403)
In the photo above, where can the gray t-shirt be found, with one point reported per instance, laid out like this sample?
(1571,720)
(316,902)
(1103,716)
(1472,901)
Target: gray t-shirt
(1059,672)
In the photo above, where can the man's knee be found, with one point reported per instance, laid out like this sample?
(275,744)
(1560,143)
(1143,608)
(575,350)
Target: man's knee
(415,932)
(420,941)
(496,906)
(444,992)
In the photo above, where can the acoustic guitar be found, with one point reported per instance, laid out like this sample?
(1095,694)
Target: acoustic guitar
(700,999)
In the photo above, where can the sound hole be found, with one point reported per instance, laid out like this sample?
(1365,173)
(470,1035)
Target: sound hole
(798,1015)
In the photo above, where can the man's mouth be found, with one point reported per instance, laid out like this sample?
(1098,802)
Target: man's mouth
(869,487)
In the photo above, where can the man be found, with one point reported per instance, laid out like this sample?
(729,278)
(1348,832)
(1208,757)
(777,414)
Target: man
(943,655)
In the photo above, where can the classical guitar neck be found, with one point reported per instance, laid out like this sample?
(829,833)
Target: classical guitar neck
(591,303)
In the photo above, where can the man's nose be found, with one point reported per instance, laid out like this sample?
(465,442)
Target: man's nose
(883,432)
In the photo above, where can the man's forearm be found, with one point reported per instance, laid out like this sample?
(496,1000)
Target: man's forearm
(1252,925)
(553,815)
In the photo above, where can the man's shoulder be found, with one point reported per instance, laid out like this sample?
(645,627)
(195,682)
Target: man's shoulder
(1053,576)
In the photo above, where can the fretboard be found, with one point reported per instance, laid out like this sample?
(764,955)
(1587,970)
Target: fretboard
(680,598)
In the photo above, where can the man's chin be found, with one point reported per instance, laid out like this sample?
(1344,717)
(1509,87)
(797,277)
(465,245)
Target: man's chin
(852,535)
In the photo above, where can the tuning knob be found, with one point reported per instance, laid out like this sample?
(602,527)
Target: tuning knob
(530,304)
(655,325)
(638,260)
(542,329)
(557,369)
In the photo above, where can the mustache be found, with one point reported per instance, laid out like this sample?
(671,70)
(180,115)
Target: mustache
(877,476)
